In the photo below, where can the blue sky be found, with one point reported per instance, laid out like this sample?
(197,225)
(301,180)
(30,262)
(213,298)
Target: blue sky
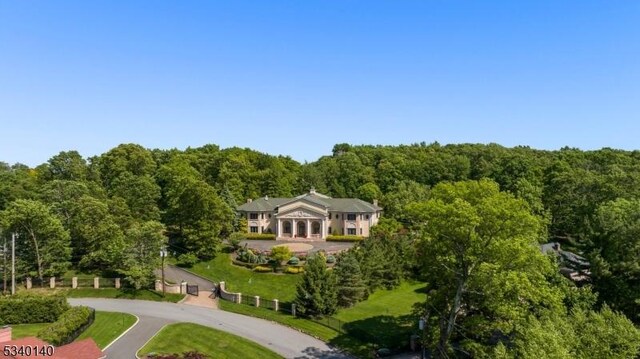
(297,77)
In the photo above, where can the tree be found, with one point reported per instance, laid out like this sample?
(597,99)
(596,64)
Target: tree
(68,166)
(615,253)
(43,242)
(316,294)
(351,287)
(145,241)
(280,254)
(479,248)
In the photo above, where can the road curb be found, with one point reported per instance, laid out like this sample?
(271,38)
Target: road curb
(147,342)
(123,333)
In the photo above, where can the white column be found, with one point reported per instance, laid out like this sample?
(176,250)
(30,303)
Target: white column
(279,229)
(308,229)
(293,228)
(322,228)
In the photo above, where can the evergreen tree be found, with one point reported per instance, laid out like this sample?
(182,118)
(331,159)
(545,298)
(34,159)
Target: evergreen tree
(351,286)
(316,293)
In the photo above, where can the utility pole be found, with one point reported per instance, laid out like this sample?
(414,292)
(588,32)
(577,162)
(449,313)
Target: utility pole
(163,253)
(13,263)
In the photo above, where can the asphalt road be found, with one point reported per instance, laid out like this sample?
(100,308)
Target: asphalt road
(283,340)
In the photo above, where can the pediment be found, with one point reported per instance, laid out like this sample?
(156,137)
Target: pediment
(300,212)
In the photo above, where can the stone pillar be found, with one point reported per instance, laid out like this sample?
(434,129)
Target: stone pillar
(238,298)
(117,284)
(74,282)
(257,301)
(183,287)
(158,285)
(293,309)
(221,285)
(29,283)
(276,307)
(96,282)
(52,282)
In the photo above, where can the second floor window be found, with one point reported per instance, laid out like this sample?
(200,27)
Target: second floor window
(253,216)
(254,229)
(351,216)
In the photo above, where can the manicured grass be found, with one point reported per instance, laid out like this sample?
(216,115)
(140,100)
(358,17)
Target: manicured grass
(184,337)
(107,327)
(26,330)
(247,282)
(143,294)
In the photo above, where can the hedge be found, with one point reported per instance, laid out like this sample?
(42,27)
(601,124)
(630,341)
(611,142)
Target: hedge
(269,236)
(262,269)
(24,309)
(69,326)
(245,264)
(345,238)
(294,269)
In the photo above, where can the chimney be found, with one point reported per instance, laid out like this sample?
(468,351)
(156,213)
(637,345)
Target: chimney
(375,202)
(249,200)
(5,334)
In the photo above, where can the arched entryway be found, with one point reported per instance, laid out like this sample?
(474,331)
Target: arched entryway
(286,228)
(301,229)
(315,229)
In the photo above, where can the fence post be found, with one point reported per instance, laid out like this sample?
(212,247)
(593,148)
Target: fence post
(74,282)
(239,298)
(183,287)
(117,284)
(96,282)
(257,301)
(52,282)
(275,305)
(158,286)
(221,286)
(29,283)
(293,309)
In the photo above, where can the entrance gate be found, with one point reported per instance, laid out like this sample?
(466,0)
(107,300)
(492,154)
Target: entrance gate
(192,289)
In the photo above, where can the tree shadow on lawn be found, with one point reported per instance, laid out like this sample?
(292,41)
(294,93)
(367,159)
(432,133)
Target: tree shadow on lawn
(383,331)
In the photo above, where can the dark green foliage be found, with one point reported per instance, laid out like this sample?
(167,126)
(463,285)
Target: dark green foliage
(68,327)
(351,285)
(187,260)
(331,259)
(267,236)
(344,238)
(294,261)
(23,309)
(316,294)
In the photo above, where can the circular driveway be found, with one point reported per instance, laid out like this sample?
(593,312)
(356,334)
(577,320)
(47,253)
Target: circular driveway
(283,340)
(265,245)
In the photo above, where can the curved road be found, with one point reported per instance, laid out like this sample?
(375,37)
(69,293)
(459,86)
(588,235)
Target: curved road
(283,340)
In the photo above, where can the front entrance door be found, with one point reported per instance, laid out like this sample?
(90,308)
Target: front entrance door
(302,229)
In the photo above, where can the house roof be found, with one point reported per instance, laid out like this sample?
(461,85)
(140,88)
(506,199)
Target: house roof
(353,205)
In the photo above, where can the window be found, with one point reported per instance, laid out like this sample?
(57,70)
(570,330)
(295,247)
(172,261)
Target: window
(330,230)
(367,216)
(253,216)
(360,231)
(351,231)
(261,215)
(351,216)
(329,215)
(270,215)
(315,228)
(286,227)
(262,229)
(337,216)
(254,229)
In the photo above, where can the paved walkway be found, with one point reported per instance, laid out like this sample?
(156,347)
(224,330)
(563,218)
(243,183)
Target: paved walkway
(285,341)
(205,296)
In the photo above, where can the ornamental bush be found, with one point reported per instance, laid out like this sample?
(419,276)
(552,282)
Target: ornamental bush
(345,238)
(294,269)
(331,258)
(293,261)
(68,327)
(267,236)
(262,269)
(23,309)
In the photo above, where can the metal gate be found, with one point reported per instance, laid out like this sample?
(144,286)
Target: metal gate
(192,289)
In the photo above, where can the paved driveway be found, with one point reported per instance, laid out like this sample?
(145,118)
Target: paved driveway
(283,340)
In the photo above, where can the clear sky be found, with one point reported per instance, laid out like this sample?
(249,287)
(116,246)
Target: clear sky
(296,77)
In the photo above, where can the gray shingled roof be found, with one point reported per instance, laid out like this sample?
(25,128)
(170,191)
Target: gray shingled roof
(352,205)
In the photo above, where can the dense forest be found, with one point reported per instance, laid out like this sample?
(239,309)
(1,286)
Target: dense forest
(115,211)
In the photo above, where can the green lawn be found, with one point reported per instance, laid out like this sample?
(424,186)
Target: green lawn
(26,330)
(107,327)
(247,282)
(143,294)
(183,337)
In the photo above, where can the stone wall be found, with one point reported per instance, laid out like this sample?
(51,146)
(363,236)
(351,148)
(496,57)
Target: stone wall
(230,296)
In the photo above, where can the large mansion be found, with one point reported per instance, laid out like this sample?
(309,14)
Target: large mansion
(311,215)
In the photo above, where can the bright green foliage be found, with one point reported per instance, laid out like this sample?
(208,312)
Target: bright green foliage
(141,193)
(316,294)
(350,282)
(69,166)
(280,254)
(31,309)
(142,256)
(369,192)
(68,326)
(486,272)
(43,243)
(615,255)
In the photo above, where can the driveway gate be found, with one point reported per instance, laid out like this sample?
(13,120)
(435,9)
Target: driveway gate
(192,289)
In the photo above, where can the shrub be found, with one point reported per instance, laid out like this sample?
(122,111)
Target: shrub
(345,238)
(187,260)
(68,327)
(235,238)
(269,236)
(244,264)
(294,269)
(25,309)
(293,261)
(262,269)
(331,258)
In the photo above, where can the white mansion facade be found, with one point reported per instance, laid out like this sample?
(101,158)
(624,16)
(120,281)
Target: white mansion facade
(311,215)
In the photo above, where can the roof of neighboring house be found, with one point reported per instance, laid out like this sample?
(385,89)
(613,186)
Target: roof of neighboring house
(83,349)
(332,204)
